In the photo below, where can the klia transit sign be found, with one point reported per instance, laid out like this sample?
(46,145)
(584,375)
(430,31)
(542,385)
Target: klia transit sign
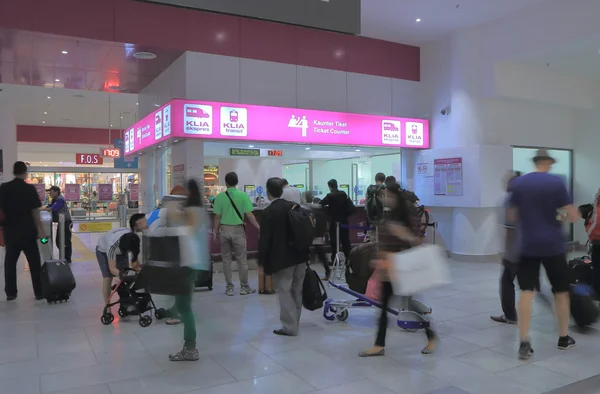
(225,121)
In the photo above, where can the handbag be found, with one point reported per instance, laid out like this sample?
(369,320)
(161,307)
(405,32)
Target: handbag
(418,269)
(237,211)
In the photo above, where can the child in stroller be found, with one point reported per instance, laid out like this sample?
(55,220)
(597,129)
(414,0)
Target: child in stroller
(133,299)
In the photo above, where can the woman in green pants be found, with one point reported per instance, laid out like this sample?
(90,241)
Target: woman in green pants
(197,219)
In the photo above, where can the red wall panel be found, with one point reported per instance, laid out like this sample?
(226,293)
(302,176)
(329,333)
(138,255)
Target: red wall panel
(66,135)
(159,26)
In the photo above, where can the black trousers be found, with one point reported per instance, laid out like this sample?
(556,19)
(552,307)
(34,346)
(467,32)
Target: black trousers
(32,253)
(507,290)
(386,295)
(68,240)
(596,268)
(320,253)
(344,241)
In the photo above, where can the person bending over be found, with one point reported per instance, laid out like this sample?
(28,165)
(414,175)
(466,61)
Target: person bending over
(113,248)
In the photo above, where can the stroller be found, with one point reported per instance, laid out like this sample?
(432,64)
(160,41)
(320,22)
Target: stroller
(357,271)
(131,300)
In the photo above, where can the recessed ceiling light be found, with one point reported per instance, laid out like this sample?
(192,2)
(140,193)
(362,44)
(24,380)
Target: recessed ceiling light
(307,148)
(57,80)
(49,97)
(418,20)
(156,105)
(43,121)
(137,103)
(250,146)
(358,150)
(45,113)
(111,125)
(144,55)
(64,52)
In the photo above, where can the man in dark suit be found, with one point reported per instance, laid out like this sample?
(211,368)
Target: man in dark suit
(276,257)
(340,208)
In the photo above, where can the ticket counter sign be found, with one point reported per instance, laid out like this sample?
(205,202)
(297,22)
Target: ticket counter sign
(239,123)
(95,227)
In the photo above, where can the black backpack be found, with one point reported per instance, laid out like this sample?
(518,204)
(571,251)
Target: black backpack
(374,203)
(313,291)
(303,228)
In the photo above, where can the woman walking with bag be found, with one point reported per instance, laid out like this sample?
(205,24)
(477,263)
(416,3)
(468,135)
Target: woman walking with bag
(196,219)
(396,234)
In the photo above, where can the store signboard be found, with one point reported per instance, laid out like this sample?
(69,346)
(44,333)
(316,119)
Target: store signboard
(134,192)
(237,122)
(40,189)
(89,159)
(244,152)
(105,192)
(122,161)
(72,192)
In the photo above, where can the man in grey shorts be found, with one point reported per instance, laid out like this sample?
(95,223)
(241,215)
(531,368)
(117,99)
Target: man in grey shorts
(113,248)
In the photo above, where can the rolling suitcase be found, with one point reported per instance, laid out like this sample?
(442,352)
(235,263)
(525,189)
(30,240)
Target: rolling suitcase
(204,279)
(583,309)
(57,281)
(582,271)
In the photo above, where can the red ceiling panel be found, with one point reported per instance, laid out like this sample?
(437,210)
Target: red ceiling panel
(406,60)
(148,24)
(269,41)
(368,56)
(78,18)
(210,33)
(316,49)
(17,17)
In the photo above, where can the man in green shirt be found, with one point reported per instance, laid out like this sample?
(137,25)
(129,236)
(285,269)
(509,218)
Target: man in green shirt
(231,209)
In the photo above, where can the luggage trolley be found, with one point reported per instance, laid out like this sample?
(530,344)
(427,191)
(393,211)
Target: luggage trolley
(411,315)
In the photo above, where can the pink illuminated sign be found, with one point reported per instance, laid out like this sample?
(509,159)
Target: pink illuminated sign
(223,121)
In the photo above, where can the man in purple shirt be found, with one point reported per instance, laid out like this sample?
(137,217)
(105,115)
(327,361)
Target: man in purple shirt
(535,202)
(58,205)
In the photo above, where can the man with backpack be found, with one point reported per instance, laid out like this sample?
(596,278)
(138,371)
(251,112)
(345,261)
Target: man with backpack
(283,248)
(374,201)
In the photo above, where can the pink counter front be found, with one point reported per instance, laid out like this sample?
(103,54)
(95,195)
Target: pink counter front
(238,122)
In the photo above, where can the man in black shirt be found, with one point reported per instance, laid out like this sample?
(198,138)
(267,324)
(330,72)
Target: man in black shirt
(20,205)
(339,207)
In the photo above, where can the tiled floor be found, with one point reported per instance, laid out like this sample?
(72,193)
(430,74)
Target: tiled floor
(65,349)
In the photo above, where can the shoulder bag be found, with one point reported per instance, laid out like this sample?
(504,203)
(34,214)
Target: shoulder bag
(236,209)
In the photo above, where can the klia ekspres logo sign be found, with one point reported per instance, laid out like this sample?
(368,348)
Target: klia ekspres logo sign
(197,119)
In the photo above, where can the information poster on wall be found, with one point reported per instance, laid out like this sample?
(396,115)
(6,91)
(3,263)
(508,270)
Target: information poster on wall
(178,175)
(40,188)
(105,192)
(448,177)
(72,192)
(134,192)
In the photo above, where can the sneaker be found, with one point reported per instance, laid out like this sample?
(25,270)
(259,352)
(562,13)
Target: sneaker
(565,343)
(525,351)
(185,355)
(229,291)
(245,290)
(503,319)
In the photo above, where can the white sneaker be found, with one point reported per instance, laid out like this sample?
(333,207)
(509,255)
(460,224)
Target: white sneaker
(246,290)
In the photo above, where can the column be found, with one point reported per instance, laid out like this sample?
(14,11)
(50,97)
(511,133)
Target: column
(187,161)
(8,148)
(8,140)
(147,182)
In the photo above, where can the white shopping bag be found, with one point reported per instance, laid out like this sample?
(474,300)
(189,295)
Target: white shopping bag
(418,269)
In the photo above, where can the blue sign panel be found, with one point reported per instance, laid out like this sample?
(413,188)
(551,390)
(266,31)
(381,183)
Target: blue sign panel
(124,162)
(260,190)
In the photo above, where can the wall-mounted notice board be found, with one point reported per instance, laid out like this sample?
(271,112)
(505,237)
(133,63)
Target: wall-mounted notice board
(448,177)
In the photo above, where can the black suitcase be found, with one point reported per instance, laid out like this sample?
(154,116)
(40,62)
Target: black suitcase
(583,308)
(204,278)
(57,281)
(582,271)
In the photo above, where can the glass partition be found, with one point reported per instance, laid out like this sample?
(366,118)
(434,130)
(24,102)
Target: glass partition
(297,175)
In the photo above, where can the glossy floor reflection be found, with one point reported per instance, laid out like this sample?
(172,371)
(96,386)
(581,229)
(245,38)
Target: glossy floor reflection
(65,349)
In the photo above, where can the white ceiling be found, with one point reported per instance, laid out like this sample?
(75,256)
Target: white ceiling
(71,108)
(395,20)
